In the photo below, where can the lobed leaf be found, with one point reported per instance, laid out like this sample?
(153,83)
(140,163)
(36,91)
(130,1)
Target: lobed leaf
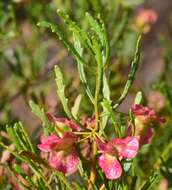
(80,66)
(61,91)
(77,31)
(131,75)
(57,30)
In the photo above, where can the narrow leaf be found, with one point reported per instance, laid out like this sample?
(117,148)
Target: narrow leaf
(80,66)
(61,91)
(109,110)
(77,31)
(131,75)
(61,35)
(138,98)
(106,96)
(96,27)
(76,106)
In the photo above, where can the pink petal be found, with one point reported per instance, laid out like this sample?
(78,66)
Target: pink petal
(66,163)
(144,136)
(48,143)
(142,110)
(126,147)
(149,113)
(101,145)
(131,147)
(110,166)
(55,143)
(106,147)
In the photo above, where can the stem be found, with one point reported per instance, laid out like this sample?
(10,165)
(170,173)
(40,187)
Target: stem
(94,147)
(102,187)
(96,98)
(93,172)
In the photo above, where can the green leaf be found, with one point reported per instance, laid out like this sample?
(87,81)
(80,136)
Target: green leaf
(39,112)
(26,139)
(80,66)
(150,181)
(77,31)
(100,30)
(132,119)
(20,137)
(76,106)
(57,30)
(79,49)
(18,169)
(14,136)
(127,166)
(107,107)
(106,96)
(61,90)
(106,89)
(109,110)
(75,49)
(97,50)
(131,75)
(95,26)
(138,98)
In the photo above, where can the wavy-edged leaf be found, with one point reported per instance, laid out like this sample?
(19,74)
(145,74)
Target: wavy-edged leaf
(80,66)
(131,75)
(96,27)
(77,31)
(61,35)
(100,30)
(61,90)
(75,49)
